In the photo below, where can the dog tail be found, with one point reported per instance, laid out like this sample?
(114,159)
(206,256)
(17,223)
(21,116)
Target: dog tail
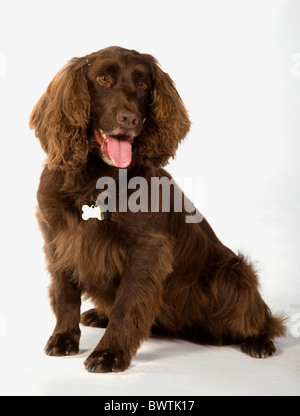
(275,325)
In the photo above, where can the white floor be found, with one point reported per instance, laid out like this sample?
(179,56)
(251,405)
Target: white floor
(161,367)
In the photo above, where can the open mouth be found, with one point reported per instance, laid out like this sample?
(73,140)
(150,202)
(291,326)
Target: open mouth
(118,148)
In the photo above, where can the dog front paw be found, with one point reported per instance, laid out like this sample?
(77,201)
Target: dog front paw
(106,362)
(62,344)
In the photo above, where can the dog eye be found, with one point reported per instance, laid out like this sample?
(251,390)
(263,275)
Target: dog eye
(104,79)
(142,85)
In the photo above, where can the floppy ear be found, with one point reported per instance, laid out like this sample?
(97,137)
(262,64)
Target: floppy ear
(167,124)
(61,116)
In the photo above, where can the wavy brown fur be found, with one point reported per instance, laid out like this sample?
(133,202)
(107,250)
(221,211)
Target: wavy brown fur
(144,271)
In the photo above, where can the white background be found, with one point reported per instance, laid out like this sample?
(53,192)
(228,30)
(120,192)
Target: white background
(236,64)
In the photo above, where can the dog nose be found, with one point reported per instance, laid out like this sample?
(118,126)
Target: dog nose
(128,119)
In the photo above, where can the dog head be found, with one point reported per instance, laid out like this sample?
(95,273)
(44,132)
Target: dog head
(117,101)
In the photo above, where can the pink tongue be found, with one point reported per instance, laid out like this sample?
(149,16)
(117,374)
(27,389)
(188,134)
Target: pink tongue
(119,152)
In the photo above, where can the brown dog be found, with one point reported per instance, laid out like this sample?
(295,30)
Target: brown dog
(145,271)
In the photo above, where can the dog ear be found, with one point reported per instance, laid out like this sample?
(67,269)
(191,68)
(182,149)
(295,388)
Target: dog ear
(61,116)
(166,125)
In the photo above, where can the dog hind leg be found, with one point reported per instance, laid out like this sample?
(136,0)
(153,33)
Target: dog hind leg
(94,319)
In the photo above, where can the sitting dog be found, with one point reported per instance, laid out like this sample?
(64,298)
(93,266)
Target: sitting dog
(146,272)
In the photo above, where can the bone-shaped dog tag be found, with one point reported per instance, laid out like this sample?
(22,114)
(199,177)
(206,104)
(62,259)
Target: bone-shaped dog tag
(92,212)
